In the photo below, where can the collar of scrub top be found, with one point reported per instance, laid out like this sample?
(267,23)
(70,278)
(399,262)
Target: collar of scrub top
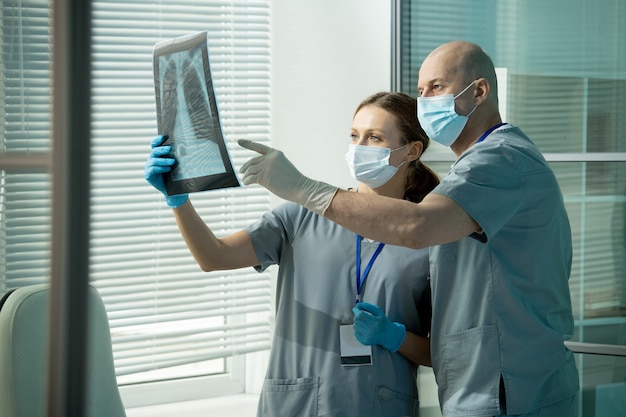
(488,132)
(360,281)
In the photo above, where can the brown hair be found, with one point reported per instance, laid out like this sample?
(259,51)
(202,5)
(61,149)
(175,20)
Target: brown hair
(420,179)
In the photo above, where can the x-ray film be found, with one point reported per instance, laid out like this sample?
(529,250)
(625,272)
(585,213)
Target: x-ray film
(187,112)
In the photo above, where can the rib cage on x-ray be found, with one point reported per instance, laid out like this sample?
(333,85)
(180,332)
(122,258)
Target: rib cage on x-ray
(187,111)
(187,116)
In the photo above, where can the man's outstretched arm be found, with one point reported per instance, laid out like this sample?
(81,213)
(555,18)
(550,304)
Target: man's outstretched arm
(436,220)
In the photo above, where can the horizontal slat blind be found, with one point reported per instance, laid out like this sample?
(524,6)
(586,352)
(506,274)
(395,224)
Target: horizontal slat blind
(24,127)
(166,315)
(164,310)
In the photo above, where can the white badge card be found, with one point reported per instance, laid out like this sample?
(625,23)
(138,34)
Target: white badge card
(352,351)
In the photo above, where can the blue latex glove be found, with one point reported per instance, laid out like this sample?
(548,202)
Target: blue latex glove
(160,162)
(373,327)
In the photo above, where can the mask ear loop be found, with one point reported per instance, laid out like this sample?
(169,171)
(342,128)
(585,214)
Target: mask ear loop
(397,149)
(464,90)
(400,147)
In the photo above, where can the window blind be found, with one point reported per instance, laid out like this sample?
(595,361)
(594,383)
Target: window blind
(168,318)
(24,127)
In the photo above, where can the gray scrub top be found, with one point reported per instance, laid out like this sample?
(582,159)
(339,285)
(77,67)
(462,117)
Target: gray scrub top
(501,301)
(316,291)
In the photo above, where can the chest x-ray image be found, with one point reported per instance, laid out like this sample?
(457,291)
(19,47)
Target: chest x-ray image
(187,112)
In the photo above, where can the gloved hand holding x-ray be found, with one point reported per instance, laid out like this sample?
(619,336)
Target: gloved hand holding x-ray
(275,172)
(159,163)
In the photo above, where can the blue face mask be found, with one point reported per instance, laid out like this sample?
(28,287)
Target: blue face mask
(370,164)
(439,119)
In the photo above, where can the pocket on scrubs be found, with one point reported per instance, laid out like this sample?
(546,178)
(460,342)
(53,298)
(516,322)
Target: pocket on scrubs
(388,402)
(288,396)
(471,370)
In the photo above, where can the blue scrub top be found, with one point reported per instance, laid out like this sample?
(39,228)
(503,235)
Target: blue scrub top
(501,300)
(315,293)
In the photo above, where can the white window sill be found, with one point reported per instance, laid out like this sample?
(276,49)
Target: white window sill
(240,405)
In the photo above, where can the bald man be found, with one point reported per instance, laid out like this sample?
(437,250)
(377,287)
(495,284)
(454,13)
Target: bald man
(500,245)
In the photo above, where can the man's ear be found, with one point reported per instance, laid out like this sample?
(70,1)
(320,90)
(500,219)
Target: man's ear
(482,91)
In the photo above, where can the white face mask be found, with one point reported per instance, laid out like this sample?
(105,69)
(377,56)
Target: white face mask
(439,119)
(370,164)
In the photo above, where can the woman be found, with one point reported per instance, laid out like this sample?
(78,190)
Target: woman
(316,366)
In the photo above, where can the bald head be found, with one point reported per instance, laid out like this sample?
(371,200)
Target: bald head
(464,61)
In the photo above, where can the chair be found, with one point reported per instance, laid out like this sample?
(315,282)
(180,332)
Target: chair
(23,356)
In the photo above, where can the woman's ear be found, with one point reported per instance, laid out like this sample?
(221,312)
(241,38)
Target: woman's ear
(415,150)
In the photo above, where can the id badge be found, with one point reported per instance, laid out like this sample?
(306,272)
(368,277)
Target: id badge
(352,351)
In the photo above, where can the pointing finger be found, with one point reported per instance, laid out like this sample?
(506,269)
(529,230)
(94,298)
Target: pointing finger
(254,146)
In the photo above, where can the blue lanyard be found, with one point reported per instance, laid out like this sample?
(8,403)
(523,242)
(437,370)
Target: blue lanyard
(359,282)
(487,133)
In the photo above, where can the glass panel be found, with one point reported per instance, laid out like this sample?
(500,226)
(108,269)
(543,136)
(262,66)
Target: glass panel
(569,114)
(602,385)
(595,195)
(25,86)
(606,125)
(563,58)
(566,88)
(25,208)
(549,110)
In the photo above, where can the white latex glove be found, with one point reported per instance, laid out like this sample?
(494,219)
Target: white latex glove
(275,172)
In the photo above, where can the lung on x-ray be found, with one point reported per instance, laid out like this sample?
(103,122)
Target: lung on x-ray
(187,112)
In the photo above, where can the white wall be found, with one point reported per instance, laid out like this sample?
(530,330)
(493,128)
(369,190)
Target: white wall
(327,56)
